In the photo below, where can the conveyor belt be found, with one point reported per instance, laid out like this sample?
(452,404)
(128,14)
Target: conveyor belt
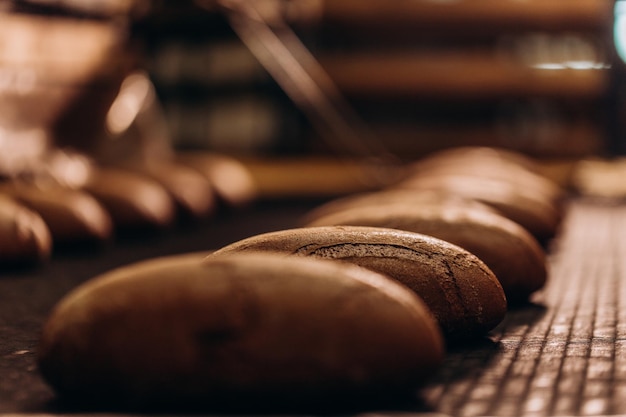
(563,354)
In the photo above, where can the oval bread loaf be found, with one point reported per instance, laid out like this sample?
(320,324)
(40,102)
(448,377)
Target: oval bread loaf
(533,212)
(513,254)
(232,181)
(518,176)
(486,154)
(416,198)
(254,329)
(518,169)
(192,192)
(132,199)
(71,215)
(461,291)
(24,236)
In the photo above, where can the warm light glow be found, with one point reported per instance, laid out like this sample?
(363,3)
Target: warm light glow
(21,147)
(70,169)
(575,65)
(586,65)
(17,80)
(134,94)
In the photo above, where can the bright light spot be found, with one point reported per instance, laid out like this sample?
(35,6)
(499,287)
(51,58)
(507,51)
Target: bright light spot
(549,66)
(586,65)
(134,95)
(619,29)
(574,65)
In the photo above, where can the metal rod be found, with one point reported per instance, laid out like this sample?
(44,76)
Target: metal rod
(303,79)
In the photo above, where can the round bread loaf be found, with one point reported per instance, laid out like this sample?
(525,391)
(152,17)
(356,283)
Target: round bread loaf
(484,154)
(489,169)
(461,291)
(513,254)
(71,215)
(191,191)
(132,199)
(247,330)
(232,181)
(24,236)
(416,198)
(525,207)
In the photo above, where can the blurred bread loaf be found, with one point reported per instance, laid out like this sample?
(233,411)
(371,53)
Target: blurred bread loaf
(513,254)
(231,180)
(192,192)
(490,163)
(131,199)
(71,215)
(503,180)
(243,330)
(24,236)
(416,198)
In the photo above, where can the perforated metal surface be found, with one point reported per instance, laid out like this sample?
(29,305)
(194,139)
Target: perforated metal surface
(565,354)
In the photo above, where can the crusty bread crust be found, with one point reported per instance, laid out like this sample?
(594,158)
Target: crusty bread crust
(462,292)
(253,329)
(513,254)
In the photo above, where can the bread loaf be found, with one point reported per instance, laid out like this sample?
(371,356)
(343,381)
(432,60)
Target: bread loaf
(484,154)
(524,206)
(71,215)
(245,330)
(24,236)
(232,181)
(192,192)
(416,198)
(462,292)
(513,254)
(132,200)
(489,164)
(509,181)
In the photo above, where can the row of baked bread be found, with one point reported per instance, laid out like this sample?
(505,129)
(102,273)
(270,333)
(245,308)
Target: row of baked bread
(289,320)
(305,317)
(492,202)
(73,200)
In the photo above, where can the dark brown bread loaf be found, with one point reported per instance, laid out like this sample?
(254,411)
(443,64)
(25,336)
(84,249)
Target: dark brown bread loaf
(489,166)
(191,191)
(250,330)
(515,256)
(417,198)
(24,236)
(131,199)
(71,215)
(232,181)
(483,154)
(462,292)
(522,205)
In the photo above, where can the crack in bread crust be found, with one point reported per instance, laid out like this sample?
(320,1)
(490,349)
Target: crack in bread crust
(458,304)
(345,250)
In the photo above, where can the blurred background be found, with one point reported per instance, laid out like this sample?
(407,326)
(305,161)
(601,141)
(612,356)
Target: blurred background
(536,76)
(123,82)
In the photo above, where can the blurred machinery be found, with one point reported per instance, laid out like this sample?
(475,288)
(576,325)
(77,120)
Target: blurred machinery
(535,76)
